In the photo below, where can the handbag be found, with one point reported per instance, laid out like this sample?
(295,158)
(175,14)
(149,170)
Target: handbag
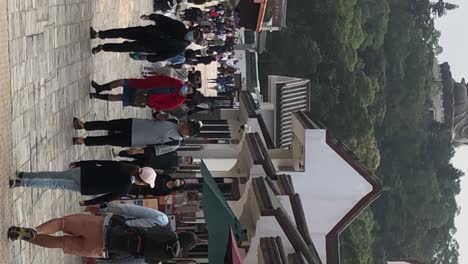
(139,97)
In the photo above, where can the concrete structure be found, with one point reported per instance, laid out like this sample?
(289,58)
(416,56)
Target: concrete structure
(240,121)
(460,113)
(258,15)
(248,67)
(285,96)
(252,40)
(275,17)
(437,108)
(293,202)
(332,185)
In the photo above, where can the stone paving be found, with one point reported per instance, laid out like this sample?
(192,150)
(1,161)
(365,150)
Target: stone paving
(6,163)
(51,66)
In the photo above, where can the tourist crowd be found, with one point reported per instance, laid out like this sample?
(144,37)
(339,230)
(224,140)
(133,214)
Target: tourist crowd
(177,40)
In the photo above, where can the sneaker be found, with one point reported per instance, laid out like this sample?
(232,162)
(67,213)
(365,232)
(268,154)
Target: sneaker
(97,49)
(78,141)
(114,153)
(23,233)
(14,183)
(19,175)
(77,123)
(99,88)
(92,33)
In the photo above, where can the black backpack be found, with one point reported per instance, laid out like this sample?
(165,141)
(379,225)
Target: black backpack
(154,244)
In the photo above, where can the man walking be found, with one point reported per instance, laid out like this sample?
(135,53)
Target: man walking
(166,38)
(163,135)
(158,92)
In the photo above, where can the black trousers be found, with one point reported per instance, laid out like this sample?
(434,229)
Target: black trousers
(139,159)
(127,46)
(120,133)
(132,33)
(143,39)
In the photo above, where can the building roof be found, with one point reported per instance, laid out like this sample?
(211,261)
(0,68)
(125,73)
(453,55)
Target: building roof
(270,205)
(334,189)
(289,95)
(460,113)
(261,15)
(260,154)
(256,14)
(251,13)
(333,183)
(262,42)
(247,104)
(266,134)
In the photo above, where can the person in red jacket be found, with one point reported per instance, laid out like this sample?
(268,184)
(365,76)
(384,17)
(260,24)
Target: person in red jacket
(157,92)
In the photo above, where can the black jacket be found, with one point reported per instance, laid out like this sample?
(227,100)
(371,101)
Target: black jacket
(167,38)
(113,179)
(168,162)
(159,189)
(168,28)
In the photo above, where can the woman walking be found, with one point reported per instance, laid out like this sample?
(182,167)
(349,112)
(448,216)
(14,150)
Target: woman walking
(164,185)
(98,235)
(110,179)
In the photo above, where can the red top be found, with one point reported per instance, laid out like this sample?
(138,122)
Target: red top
(163,101)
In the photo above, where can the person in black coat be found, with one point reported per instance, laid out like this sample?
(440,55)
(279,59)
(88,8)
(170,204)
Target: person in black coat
(146,157)
(201,60)
(110,179)
(164,185)
(166,39)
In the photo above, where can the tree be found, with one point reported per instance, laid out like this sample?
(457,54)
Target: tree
(440,8)
(370,64)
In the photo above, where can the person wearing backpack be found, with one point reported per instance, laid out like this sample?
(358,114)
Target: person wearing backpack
(111,232)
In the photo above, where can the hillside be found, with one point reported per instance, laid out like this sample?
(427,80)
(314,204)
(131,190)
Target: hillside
(370,63)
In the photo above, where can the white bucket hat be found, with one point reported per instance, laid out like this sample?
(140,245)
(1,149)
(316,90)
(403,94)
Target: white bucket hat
(148,175)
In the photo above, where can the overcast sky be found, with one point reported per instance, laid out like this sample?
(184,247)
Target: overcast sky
(454,40)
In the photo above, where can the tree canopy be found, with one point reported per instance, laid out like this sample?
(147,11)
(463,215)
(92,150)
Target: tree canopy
(370,63)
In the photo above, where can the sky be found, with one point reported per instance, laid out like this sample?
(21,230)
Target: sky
(454,40)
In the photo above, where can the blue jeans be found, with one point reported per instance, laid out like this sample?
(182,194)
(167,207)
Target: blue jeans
(54,180)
